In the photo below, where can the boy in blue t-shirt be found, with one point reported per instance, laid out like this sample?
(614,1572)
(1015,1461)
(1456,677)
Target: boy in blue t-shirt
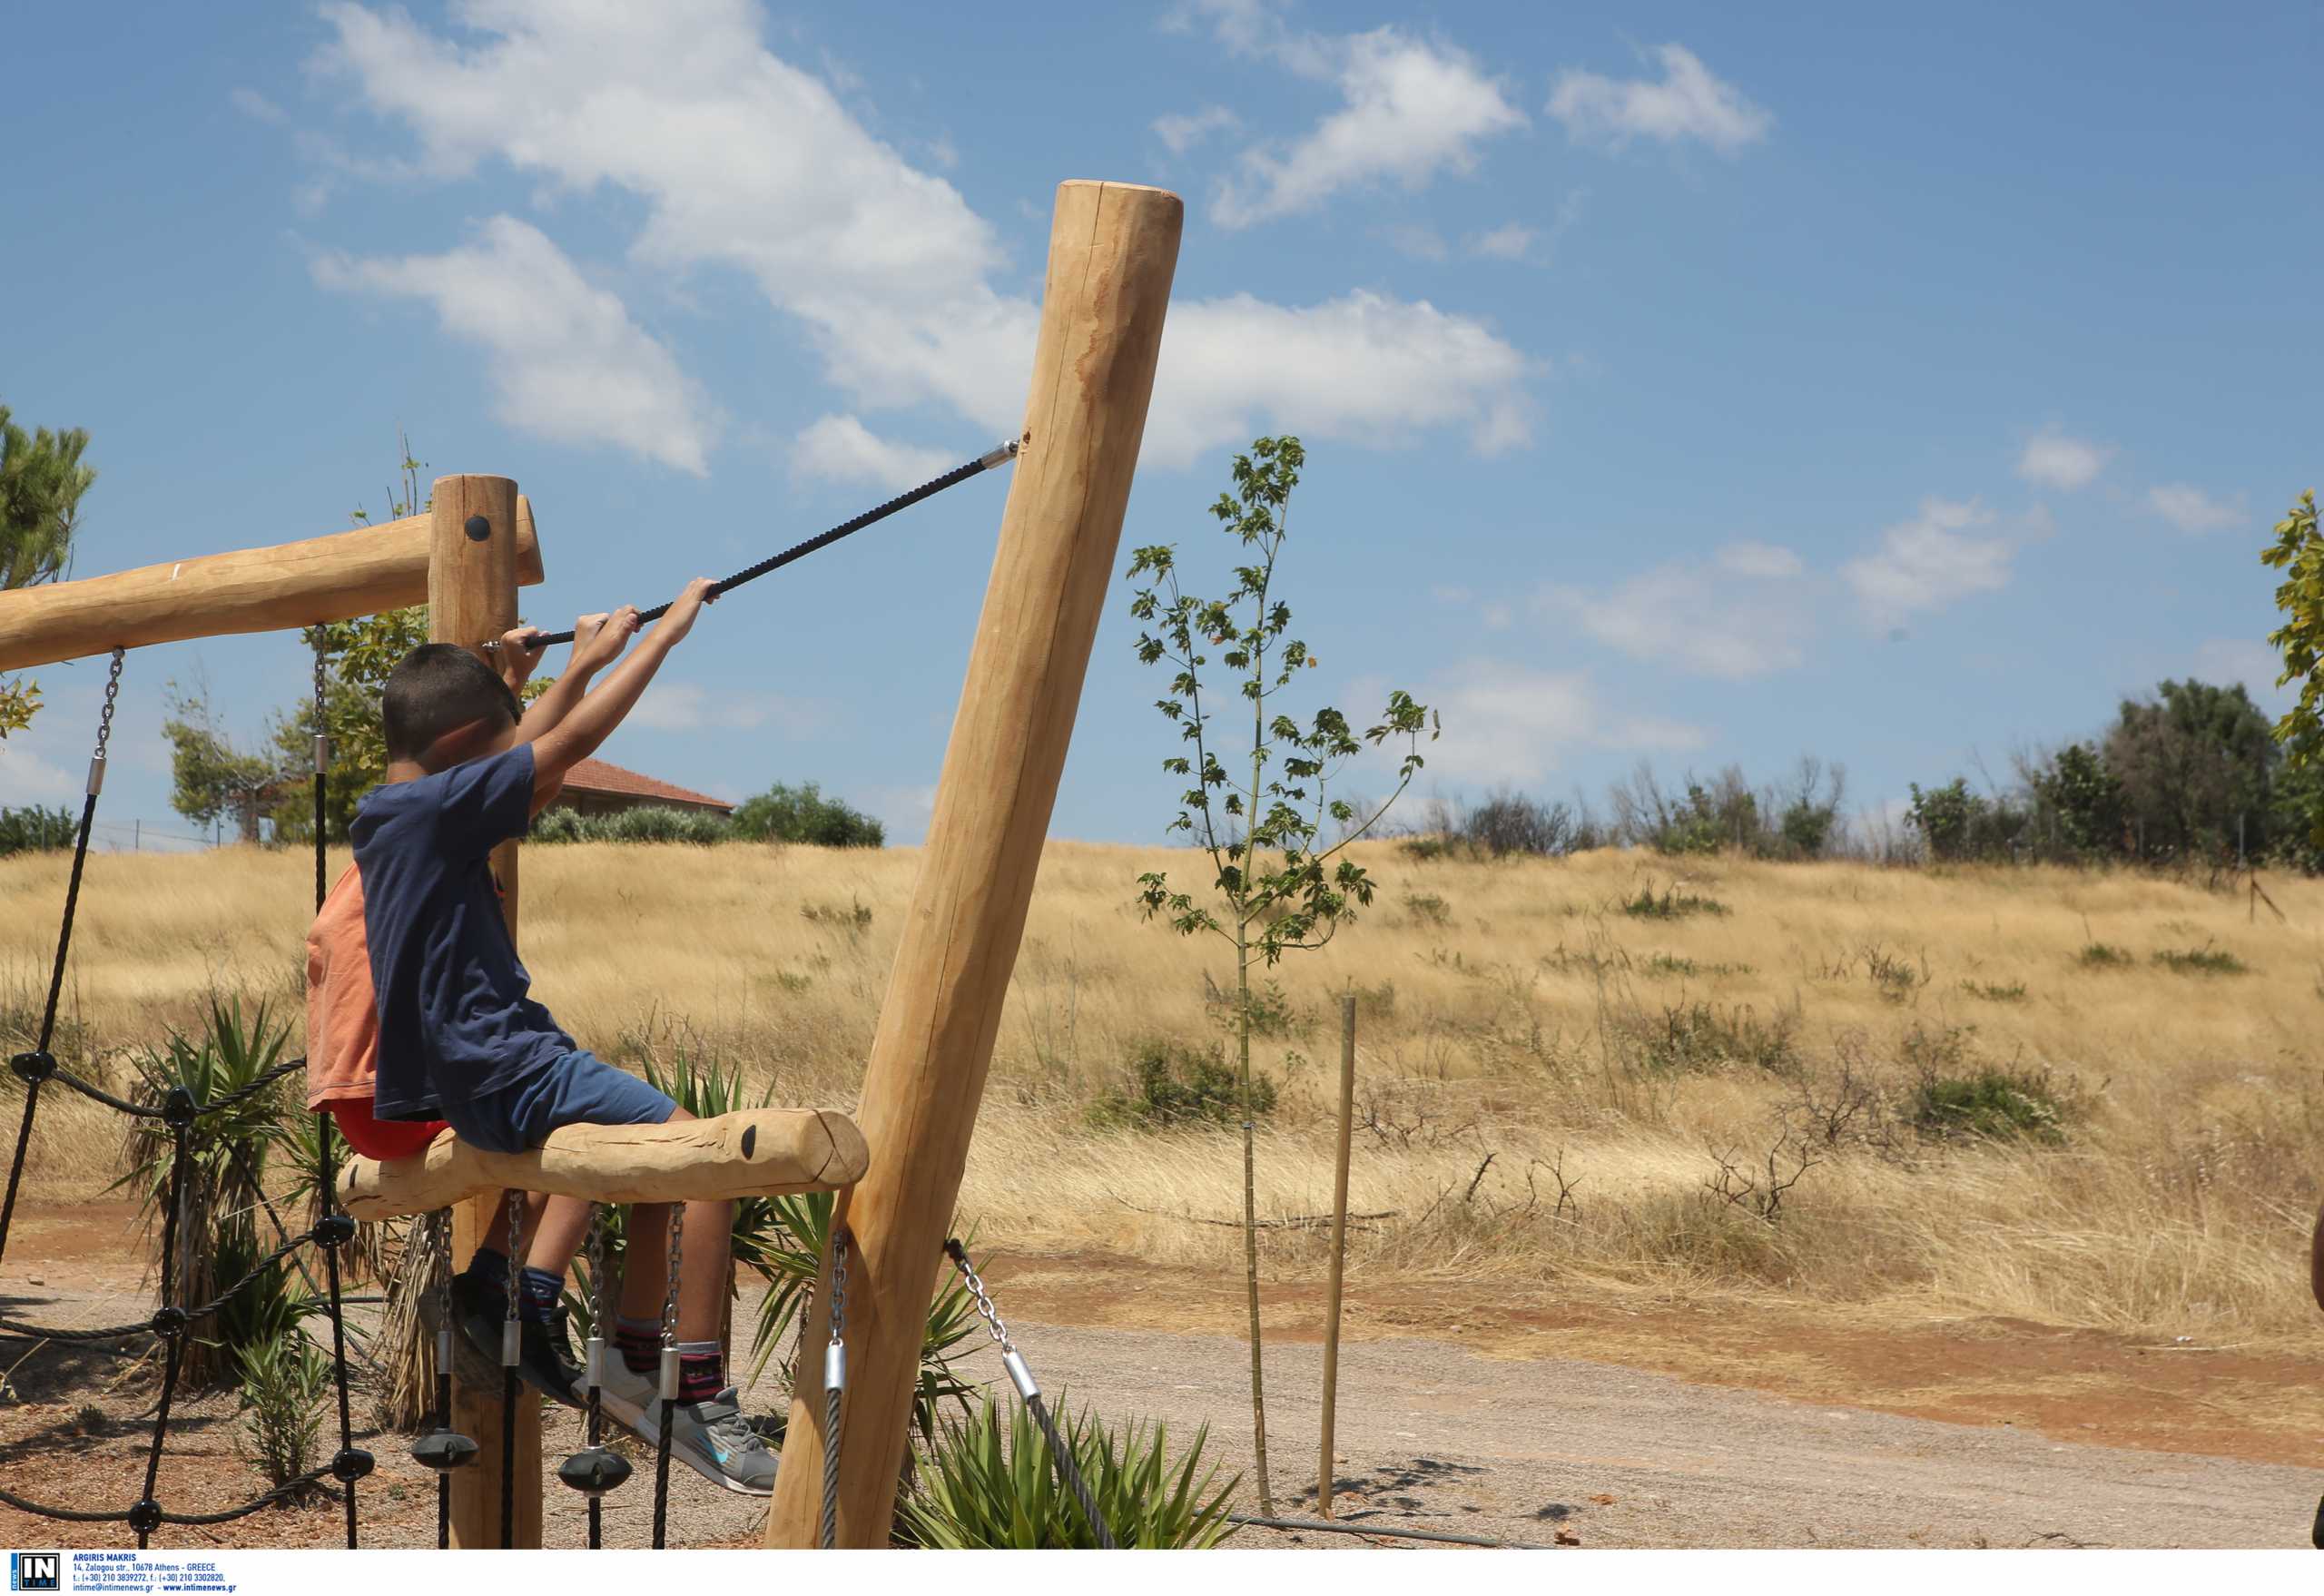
(461,1038)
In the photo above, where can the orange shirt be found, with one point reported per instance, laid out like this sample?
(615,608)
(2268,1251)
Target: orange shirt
(342,1012)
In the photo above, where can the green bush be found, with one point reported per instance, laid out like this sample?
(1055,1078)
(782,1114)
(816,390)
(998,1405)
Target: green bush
(284,1380)
(1989,1103)
(2103,956)
(652,823)
(977,1489)
(803,814)
(2203,960)
(1689,1038)
(32,829)
(1673,904)
(1995,992)
(1175,1084)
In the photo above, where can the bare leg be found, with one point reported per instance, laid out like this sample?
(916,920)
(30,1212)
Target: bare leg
(496,1235)
(557,1232)
(646,1269)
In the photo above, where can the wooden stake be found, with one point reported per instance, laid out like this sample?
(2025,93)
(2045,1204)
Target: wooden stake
(334,579)
(472,597)
(1339,1248)
(1112,251)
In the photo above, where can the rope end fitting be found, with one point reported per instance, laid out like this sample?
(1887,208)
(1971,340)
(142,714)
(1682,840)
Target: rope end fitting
(999,457)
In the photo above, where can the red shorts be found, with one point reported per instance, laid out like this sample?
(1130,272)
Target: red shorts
(380,1138)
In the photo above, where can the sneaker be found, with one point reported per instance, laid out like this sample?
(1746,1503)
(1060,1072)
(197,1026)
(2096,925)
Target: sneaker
(623,1395)
(544,1361)
(714,1439)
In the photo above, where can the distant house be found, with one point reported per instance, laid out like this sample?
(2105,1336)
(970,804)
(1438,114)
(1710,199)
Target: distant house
(595,787)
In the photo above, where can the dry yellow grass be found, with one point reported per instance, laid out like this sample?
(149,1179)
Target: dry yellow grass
(1511,1013)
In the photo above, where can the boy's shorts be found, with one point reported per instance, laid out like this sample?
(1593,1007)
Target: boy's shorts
(579,1088)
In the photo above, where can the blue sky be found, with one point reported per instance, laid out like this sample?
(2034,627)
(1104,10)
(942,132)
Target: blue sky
(1903,386)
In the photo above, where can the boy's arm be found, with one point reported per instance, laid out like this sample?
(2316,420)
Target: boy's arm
(593,719)
(593,647)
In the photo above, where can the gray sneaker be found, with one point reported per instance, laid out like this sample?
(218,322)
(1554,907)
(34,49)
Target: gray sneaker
(714,1439)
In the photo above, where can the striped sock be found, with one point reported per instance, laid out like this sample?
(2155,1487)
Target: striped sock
(537,1293)
(639,1341)
(702,1371)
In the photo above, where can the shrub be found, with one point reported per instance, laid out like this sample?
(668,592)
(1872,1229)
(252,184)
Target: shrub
(1427,908)
(1692,1037)
(283,1382)
(1989,1103)
(1175,1084)
(2103,956)
(2203,960)
(1511,822)
(803,814)
(652,823)
(33,828)
(1673,904)
(1994,991)
(854,920)
(977,1489)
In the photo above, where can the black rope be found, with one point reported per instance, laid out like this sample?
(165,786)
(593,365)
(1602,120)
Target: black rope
(312,1479)
(167,1320)
(97,1094)
(511,1331)
(668,1375)
(147,1509)
(902,501)
(40,1062)
(334,1229)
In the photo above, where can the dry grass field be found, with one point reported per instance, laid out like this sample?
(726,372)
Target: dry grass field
(1556,1093)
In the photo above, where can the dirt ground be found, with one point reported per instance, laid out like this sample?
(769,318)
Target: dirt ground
(1461,1411)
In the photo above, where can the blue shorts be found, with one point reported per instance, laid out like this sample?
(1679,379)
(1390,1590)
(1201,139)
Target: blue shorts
(579,1088)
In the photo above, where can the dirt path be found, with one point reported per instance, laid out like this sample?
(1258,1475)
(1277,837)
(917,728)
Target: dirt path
(1523,1428)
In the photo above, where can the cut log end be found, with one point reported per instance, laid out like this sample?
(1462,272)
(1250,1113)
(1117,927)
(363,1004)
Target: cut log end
(758,1152)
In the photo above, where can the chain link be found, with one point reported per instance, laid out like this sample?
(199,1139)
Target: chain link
(439,1241)
(516,1252)
(839,1287)
(104,716)
(596,1255)
(677,1262)
(991,1315)
(323,733)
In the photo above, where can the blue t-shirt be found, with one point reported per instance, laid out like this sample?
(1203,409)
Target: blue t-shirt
(456,1019)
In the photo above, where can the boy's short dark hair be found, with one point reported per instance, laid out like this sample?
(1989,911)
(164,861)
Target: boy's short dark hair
(437,688)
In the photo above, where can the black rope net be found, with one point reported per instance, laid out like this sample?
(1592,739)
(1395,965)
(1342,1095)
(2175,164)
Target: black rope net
(182,1115)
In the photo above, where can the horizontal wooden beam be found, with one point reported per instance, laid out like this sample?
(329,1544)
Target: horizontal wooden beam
(758,1152)
(291,585)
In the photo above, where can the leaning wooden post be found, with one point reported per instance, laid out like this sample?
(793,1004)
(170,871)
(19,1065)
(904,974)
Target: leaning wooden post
(1112,250)
(1339,1249)
(472,597)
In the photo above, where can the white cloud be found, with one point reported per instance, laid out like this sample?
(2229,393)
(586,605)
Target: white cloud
(1413,109)
(1182,131)
(745,162)
(567,361)
(257,106)
(1738,616)
(2190,509)
(1688,103)
(689,706)
(1511,723)
(2052,459)
(840,449)
(1513,241)
(1929,561)
(1364,368)
(26,778)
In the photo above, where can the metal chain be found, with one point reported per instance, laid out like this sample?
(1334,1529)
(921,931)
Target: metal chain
(991,1315)
(515,1268)
(104,716)
(511,1346)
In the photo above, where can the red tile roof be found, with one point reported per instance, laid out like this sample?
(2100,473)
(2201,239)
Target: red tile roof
(595,775)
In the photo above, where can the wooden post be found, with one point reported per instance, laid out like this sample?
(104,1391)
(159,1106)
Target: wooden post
(333,578)
(1112,251)
(471,597)
(1339,1248)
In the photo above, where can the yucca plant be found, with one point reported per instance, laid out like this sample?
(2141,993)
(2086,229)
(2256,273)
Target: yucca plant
(218,1236)
(362,1259)
(284,1383)
(985,1485)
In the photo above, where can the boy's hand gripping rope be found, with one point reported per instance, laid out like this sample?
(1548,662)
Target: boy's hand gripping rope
(1021,1377)
(984,462)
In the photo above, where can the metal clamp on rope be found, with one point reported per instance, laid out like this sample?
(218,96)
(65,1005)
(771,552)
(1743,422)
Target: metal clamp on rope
(999,457)
(96,775)
(322,751)
(835,1366)
(669,1387)
(593,1363)
(1019,1375)
(512,1341)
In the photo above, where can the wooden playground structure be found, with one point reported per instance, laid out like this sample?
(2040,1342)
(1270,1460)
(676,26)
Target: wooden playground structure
(897,1164)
